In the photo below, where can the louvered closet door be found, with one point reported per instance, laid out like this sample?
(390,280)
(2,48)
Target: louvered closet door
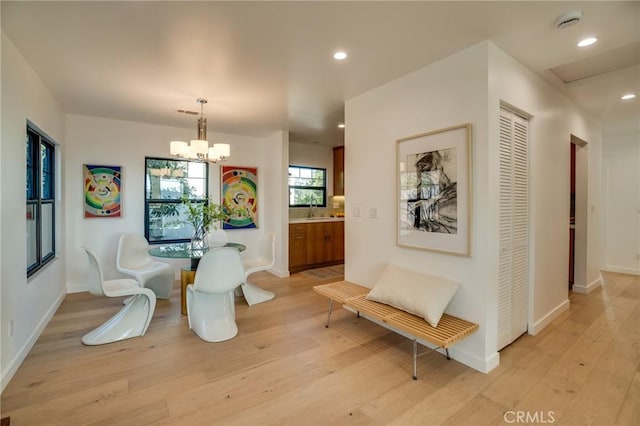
(513,260)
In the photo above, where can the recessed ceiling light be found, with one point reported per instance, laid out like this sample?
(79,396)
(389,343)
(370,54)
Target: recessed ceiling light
(628,96)
(587,41)
(340,55)
(341,125)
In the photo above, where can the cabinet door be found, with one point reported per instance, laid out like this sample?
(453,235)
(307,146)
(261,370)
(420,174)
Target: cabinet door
(337,241)
(297,245)
(338,170)
(317,243)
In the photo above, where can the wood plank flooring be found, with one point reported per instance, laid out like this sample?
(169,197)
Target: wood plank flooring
(285,368)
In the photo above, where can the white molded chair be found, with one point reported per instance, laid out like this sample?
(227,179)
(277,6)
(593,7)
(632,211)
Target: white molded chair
(217,238)
(134,317)
(210,299)
(265,260)
(133,259)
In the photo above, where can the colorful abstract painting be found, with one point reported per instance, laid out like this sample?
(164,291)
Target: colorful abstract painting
(240,196)
(102,191)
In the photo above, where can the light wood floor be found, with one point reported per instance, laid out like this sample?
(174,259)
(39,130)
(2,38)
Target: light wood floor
(285,368)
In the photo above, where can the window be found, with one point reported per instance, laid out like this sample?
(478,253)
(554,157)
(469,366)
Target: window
(307,186)
(166,182)
(40,214)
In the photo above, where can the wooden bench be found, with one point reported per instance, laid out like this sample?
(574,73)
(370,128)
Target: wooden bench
(450,329)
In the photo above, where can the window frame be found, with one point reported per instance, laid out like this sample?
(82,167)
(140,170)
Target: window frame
(35,199)
(323,188)
(148,201)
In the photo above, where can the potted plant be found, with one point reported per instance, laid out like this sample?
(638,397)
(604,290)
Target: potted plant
(202,216)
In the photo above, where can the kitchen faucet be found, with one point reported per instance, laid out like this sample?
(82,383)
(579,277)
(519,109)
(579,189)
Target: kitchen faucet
(312,209)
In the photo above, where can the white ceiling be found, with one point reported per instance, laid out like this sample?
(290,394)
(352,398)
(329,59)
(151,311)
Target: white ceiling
(266,66)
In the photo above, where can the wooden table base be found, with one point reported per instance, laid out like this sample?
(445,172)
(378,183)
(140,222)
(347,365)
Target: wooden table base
(187,276)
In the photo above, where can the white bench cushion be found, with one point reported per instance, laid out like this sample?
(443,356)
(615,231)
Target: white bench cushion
(414,292)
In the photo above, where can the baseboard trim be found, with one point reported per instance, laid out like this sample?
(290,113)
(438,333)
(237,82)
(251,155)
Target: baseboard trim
(588,288)
(19,357)
(76,287)
(622,270)
(279,273)
(539,325)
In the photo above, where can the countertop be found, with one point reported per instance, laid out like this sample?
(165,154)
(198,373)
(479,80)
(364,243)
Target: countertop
(316,219)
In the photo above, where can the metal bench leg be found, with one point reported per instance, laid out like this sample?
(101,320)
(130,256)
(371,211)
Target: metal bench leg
(329,315)
(415,358)
(447,349)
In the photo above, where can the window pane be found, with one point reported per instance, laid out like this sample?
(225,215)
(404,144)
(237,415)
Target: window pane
(298,196)
(31,170)
(167,181)
(46,167)
(196,188)
(168,221)
(47,229)
(307,176)
(171,179)
(305,173)
(40,191)
(307,185)
(32,240)
(197,170)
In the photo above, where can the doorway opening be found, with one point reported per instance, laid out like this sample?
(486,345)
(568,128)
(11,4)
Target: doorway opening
(578,215)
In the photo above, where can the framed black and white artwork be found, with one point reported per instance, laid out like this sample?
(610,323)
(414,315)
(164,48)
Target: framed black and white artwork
(434,190)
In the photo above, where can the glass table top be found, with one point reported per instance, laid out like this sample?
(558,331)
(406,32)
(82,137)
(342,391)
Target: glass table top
(184,251)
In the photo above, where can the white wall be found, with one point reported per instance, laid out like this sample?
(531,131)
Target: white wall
(553,119)
(621,186)
(449,92)
(29,303)
(319,156)
(92,140)
(276,194)
(469,87)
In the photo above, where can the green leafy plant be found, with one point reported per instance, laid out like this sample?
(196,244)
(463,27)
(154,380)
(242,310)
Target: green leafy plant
(203,215)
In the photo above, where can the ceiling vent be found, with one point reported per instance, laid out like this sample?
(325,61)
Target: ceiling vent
(568,19)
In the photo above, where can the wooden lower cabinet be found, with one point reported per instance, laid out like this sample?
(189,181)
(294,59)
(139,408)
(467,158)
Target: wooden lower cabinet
(297,245)
(316,244)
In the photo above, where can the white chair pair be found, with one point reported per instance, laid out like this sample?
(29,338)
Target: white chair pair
(210,299)
(133,259)
(217,238)
(134,317)
(265,260)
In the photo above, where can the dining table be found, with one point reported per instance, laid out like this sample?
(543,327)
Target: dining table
(188,273)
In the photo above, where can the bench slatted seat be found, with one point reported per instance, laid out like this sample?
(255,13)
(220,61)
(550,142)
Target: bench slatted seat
(449,331)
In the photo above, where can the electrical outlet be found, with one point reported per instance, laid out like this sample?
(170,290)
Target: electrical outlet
(10,328)
(356,212)
(373,213)
(637,256)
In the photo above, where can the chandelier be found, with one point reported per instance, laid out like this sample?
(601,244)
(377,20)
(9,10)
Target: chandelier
(199,149)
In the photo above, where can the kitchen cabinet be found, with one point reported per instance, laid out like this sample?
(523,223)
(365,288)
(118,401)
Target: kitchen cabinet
(316,244)
(338,170)
(297,245)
